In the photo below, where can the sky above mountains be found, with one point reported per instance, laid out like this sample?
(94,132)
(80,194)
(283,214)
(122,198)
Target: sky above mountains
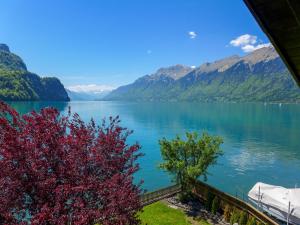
(113,42)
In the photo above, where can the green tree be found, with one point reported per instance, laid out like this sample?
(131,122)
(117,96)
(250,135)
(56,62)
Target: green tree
(189,159)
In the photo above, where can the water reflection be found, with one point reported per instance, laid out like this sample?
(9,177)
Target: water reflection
(250,124)
(25,107)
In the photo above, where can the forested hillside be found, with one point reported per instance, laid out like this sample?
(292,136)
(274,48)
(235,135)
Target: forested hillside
(18,84)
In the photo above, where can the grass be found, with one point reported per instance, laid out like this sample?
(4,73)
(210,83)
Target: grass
(160,214)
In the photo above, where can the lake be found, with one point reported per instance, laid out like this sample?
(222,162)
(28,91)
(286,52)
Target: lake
(261,142)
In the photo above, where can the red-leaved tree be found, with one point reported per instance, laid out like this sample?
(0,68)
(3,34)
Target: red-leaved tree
(56,169)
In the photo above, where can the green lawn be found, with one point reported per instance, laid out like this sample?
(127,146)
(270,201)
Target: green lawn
(160,214)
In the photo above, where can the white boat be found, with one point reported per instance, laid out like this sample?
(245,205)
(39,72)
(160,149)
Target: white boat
(282,203)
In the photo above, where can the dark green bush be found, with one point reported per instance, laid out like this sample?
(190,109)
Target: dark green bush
(209,199)
(215,206)
(243,218)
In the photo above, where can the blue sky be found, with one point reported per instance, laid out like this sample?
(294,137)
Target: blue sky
(113,42)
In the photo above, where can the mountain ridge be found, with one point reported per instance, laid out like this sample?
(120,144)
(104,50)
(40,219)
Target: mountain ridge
(260,76)
(86,96)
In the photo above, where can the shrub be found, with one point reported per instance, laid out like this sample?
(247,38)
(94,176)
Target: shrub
(209,199)
(215,205)
(251,221)
(243,218)
(60,170)
(227,213)
(234,216)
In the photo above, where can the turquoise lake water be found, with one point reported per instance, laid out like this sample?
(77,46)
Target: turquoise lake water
(261,142)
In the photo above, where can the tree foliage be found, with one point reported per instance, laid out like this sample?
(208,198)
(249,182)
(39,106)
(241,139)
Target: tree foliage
(59,170)
(189,159)
(11,61)
(25,86)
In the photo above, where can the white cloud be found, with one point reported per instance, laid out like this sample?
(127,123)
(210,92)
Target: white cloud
(248,43)
(192,34)
(90,88)
(193,67)
(251,48)
(242,40)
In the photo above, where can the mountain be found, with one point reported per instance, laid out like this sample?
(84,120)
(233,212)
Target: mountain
(10,61)
(260,76)
(86,96)
(18,84)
